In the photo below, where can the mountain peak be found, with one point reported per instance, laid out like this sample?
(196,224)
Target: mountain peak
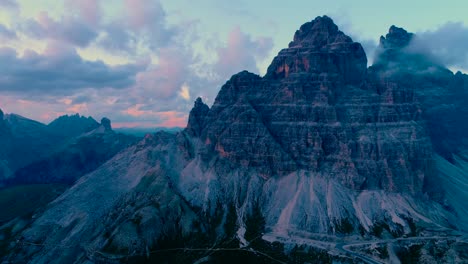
(1,115)
(397,38)
(317,33)
(320,47)
(106,123)
(73,125)
(402,52)
(197,117)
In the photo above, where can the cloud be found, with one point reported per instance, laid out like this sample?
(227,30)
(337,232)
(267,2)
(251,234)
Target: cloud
(185,92)
(165,118)
(164,79)
(117,39)
(143,14)
(6,34)
(89,10)
(60,70)
(78,108)
(10,4)
(447,44)
(241,53)
(143,26)
(71,30)
(157,91)
(343,21)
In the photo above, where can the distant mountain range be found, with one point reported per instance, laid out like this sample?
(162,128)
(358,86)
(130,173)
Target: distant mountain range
(38,162)
(30,145)
(141,132)
(322,160)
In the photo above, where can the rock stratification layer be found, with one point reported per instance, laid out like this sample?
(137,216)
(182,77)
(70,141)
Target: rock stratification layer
(320,144)
(316,110)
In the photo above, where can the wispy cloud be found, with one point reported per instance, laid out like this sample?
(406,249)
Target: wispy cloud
(447,44)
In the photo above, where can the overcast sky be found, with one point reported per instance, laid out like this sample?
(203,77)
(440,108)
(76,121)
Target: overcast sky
(143,62)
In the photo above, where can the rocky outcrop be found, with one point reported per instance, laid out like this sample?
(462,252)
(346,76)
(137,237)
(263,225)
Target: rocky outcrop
(319,47)
(314,110)
(441,94)
(320,144)
(4,131)
(106,123)
(196,121)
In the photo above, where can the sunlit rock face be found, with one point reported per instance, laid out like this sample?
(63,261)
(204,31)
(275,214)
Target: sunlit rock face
(316,110)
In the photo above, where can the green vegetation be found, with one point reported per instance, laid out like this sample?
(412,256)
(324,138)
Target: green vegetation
(379,227)
(254,224)
(414,231)
(230,224)
(383,251)
(344,226)
(410,254)
(208,245)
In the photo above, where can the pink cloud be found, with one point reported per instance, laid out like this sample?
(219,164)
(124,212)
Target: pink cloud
(39,111)
(142,13)
(78,108)
(165,79)
(163,118)
(135,111)
(173,119)
(242,52)
(89,10)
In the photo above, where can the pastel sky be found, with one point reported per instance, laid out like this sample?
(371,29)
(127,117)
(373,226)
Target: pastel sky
(142,63)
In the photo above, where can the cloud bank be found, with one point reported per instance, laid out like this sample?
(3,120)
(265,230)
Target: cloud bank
(447,44)
(163,71)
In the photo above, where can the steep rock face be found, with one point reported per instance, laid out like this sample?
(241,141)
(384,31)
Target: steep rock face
(197,116)
(314,110)
(317,144)
(441,93)
(106,123)
(442,96)
(319,47)
(5,142)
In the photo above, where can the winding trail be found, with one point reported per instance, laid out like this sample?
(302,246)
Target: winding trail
(344,247)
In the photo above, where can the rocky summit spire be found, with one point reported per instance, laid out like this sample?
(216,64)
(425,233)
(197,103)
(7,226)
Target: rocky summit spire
(106,123)
(309,113)
(2,122)
(197,117)
(397,38)
(400,51)
(320,47)
(318,33)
